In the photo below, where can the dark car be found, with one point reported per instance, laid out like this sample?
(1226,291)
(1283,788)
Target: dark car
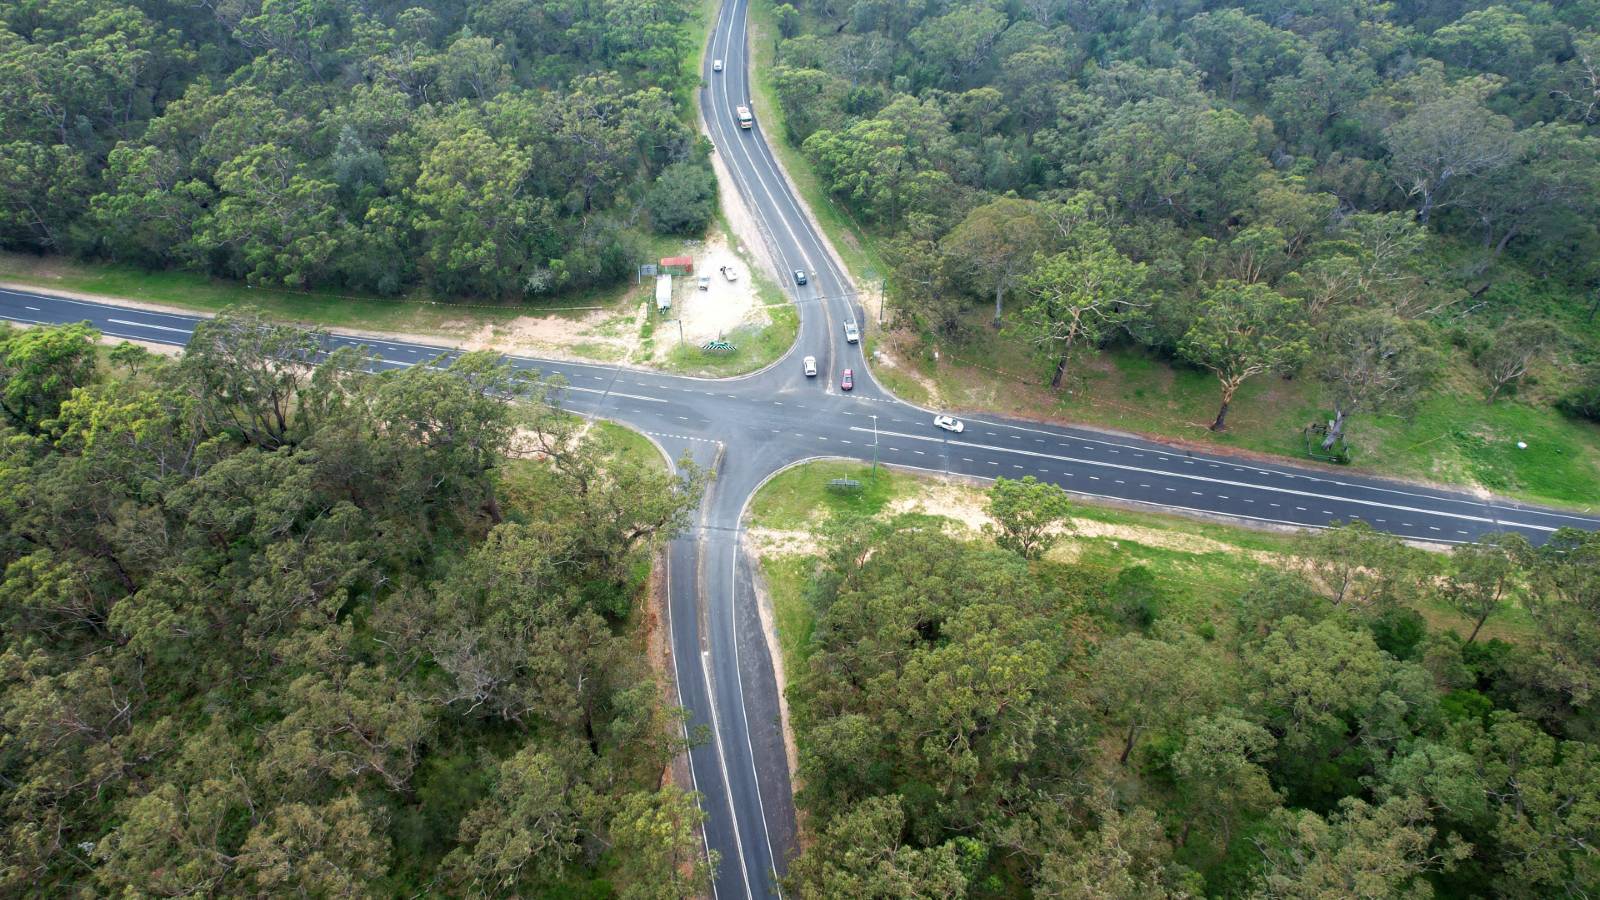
(799,276)
(848,382)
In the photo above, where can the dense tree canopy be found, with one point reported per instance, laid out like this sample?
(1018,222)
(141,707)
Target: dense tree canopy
(270,624)
(978,719)
(1438,163)
(478,147)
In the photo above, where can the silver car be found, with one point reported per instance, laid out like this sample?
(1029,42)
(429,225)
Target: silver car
(810,365)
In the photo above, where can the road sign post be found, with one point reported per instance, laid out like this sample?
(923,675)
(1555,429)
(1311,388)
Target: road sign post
(874,448)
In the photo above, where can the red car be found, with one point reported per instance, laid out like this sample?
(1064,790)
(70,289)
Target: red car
(849,380)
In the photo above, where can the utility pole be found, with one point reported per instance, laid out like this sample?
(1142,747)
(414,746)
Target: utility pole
(680,331)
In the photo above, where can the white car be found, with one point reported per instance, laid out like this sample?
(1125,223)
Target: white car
(851,333)
(810,364)
(949,423)
(730,273)
(716,65)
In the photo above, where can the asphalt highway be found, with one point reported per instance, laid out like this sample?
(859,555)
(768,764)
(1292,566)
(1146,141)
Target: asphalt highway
(745,429)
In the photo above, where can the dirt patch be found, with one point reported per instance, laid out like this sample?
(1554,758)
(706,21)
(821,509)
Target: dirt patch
(891,349)
(739,219)
(715,312)
(1166,540)
(556,335)
(958,502)
(966,506)
(768,542)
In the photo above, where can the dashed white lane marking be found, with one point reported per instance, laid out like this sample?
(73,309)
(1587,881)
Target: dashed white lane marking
(31,308)
(683,437)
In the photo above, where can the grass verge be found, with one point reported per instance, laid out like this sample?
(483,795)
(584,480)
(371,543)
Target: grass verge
(199,293)
(626,444)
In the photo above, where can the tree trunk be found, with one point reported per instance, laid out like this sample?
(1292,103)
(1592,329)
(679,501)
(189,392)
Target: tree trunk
(1228,390)
(1127,745)
(1478,626)
(1424,211)
(999,296)
(1335,430)
(1060,372)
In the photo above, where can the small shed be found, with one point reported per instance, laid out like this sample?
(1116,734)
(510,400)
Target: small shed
(663,293)
(678,265)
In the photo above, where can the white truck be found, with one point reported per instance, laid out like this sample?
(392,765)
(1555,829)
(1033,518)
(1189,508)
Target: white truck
(663,293)
(745,119)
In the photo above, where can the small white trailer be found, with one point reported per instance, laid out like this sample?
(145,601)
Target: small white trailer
(663,293)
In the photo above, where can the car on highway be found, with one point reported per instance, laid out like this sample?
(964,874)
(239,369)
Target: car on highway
(716,65)
(852,334)
(810,366)
(949,423)
(848,380)
(799,276)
